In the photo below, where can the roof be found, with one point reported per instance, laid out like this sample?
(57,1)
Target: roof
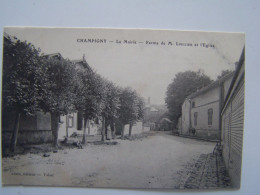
(236,74)
(53,55)
(211,86)
(82,62)
(166,119)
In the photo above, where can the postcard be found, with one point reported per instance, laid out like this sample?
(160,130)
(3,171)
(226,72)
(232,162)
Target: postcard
(122,108)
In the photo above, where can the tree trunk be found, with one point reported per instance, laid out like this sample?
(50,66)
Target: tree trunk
(113,129)
(15,132)
(106,129)
(67,127)
(122,131)
(88,126)
(130,128)
(55,128)
(103,129)
(84,131)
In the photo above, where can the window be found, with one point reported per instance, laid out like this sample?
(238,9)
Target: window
(210,116)
(70,120)
(193,104)
(195,118)
(60,121)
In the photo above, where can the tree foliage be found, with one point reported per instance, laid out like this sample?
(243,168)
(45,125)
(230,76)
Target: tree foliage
(57,86)
(129,106)
(21,78)
(184,84)
(111,101)
(21,83)
(90,93)
(141,107)
(224,73)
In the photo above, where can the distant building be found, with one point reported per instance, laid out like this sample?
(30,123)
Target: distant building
(153,114)
(164,124)
(232,117)
(201,110)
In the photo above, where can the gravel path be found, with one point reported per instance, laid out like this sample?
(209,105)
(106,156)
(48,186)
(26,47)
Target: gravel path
(156,161)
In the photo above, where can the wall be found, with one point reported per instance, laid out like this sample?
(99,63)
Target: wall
(33,129)
(43,121)
(185,118)
(136,129)
(28,137)
(203,102)
(232,129)
(71,120)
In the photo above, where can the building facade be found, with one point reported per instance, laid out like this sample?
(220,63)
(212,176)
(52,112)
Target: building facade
(201,110)
(232,117)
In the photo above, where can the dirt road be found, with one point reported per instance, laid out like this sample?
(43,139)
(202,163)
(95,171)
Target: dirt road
(157,161)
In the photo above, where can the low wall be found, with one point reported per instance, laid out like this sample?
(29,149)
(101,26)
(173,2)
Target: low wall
(28,137)
(136,129)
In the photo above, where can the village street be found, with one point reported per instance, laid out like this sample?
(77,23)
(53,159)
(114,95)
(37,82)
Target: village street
(160,160)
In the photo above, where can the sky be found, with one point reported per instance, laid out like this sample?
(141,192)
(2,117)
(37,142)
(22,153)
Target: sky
(144,62)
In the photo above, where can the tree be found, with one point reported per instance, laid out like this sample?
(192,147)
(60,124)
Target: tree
(128,112)
(90,96)
(58,82)
(184,84)
(21,83)
(224,73)
(140,112)
(111,106)
(141,107)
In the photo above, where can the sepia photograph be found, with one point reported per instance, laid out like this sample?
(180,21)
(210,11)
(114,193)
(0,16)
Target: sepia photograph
(122,108)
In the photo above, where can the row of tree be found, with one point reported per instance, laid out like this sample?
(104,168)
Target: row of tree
(33,82)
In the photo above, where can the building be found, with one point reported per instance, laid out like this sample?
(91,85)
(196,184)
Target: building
(232,117)
(201,110)
(74,122)
(164,124)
